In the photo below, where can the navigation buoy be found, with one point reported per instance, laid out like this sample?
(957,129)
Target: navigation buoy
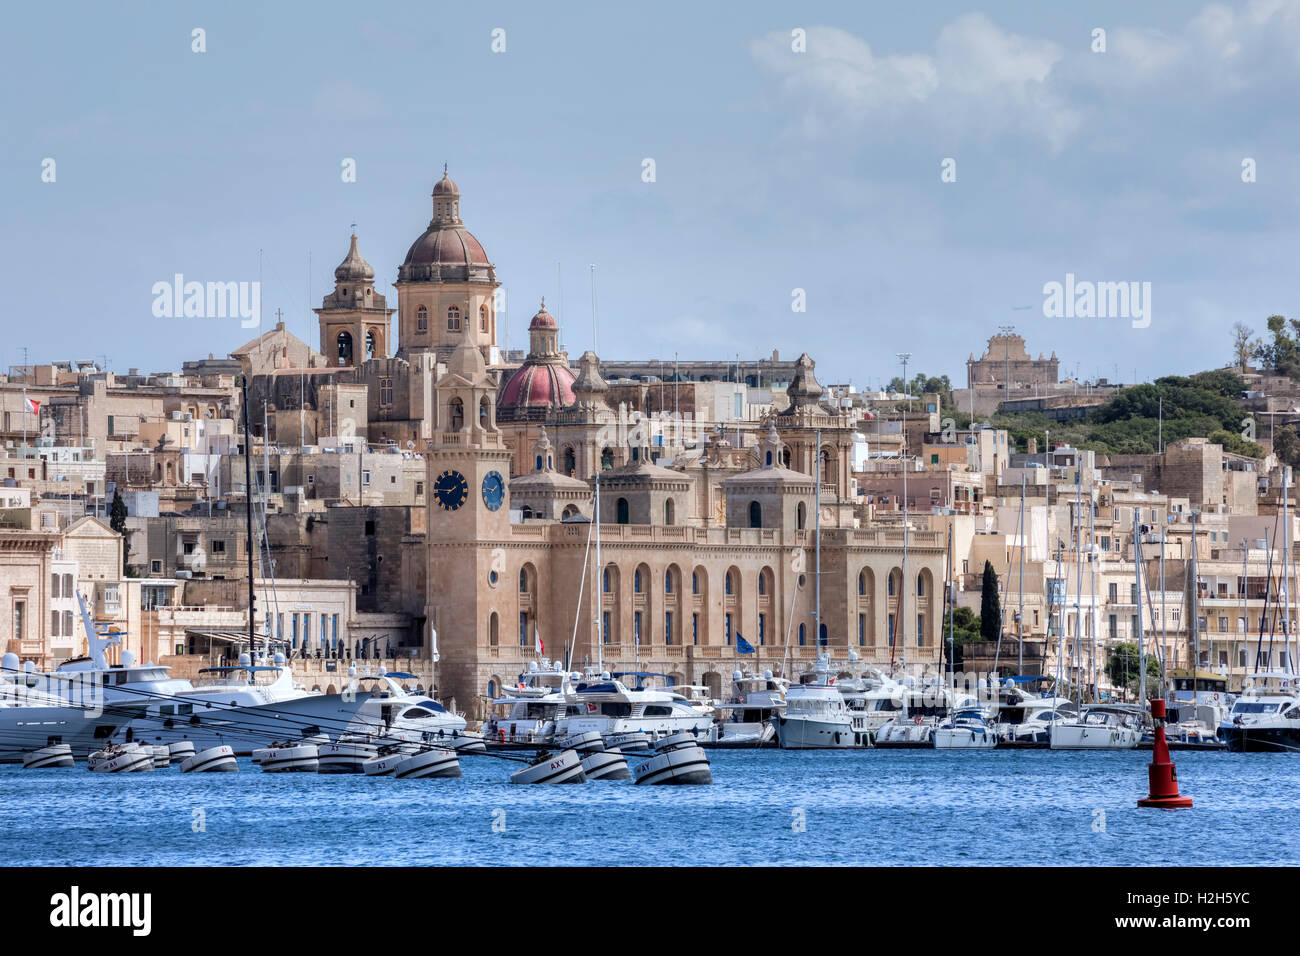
(1164,778)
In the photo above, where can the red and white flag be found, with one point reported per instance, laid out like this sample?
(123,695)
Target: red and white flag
(537,640)
(34,406)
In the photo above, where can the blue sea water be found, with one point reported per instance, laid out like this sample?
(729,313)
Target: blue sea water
(856,807)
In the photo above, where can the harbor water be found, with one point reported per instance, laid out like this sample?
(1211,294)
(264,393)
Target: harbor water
(765,807)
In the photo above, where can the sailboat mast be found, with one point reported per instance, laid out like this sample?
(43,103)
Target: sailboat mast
(248,511)
(1078,578)
(1137,576)
(1092,597)
(1286,554)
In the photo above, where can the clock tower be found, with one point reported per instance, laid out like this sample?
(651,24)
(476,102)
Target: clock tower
(468,522)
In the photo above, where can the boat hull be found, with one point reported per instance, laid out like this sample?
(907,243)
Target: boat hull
(564,767)
(245,729)
(1260,739)
(961,738)
(304,758)
(606,765)
(345,757)
(213,760)
(801,733)
(1084,737)
(428,764)
(682,766)
(55,755)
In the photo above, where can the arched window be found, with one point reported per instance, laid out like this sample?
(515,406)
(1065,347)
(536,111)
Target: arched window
(370,344)
(695,582)
(755,515)
(570,511)
(525,512)
(801,516)
(537,463)
(762,585)
(862,583)
(523,580)
(730,584)
(920,586)
(494,630)
(827,469)
(484,413)
(482,318)
(344,347)
(570,462)
(636,581)
(767,459)
(607,459)
(605,583)
(622,509)
(453,318)
(422,319)
(668,511)
(801,635)
(668,581)
(456,414)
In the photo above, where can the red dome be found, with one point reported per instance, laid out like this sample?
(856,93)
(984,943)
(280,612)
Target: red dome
(445,186)
(538,385)
(542,320)
(447,246)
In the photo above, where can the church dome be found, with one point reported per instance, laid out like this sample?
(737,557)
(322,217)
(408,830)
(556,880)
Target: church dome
(446,251)
(542,320)
(537,385)
(354,268)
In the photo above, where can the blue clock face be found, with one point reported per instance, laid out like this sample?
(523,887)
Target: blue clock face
(494,490)
(450,490)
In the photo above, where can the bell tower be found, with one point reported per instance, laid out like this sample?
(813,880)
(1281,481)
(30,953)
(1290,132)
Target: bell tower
(354,318)
(468,591)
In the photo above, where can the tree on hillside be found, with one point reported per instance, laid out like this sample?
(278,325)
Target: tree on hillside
(990,605)
(1282,355)
(1241,345)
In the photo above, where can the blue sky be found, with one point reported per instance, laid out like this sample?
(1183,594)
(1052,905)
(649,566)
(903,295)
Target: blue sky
(774,171)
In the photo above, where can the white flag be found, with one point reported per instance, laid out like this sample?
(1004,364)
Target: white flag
(537,640)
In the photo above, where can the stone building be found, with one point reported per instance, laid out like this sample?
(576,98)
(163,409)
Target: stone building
(1006,361)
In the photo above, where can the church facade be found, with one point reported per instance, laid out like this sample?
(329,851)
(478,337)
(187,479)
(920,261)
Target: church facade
(715,548)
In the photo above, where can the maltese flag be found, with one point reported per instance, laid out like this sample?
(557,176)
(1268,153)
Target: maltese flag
(34,406)
(537,640)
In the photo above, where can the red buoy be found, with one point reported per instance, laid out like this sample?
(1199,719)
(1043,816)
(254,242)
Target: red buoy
(1164,778)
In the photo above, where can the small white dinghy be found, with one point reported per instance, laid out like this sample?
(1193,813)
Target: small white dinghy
(563,767)
(606,765)
(678,759)
(287,758)
(52,755)
(437,762)
(469,744)
(180,750)
(589,743)
(162,756)
(632,742)
(345,756)
(121,758)
(213,760)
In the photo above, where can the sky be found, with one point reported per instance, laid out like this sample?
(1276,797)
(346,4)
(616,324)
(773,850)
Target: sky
(920,171)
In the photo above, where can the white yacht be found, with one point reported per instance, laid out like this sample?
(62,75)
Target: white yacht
(608,706)
(1100,727)
(745,720)
(392,714)
(966,729)
(922,709)
(31,717)
(816,717)
(1023,720)
(245,706)
(1265,717)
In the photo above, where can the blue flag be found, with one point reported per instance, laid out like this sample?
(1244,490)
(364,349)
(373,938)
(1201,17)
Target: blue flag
(743,646)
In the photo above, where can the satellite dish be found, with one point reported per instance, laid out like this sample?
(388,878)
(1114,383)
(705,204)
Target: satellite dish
(9,662)
(244,659)
(128,659)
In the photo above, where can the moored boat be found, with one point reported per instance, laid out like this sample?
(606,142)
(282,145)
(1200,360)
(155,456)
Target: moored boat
(563,767)
(683,764)
(49,756)
(288,758)
(606,765)
(219,759)
(434,762)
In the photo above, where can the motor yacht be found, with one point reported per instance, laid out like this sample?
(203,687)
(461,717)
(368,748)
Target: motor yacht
(1265,717)
(1100,727)
(967,729)
(609,707)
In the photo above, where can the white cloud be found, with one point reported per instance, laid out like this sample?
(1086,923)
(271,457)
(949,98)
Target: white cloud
(979,78)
